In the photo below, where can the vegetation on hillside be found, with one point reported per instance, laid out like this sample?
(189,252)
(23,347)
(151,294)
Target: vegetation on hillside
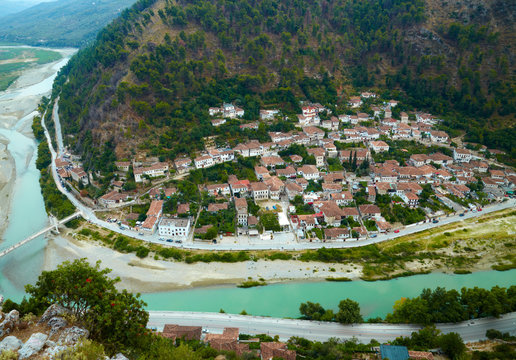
(56,203)
(151,75)
(60,23)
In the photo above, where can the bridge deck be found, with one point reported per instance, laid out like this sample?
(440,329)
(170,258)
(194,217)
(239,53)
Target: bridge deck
(39,233)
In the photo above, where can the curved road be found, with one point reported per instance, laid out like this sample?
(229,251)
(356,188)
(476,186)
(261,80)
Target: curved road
(473,330)
(89,215)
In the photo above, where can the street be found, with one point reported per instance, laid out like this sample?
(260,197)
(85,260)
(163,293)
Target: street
(89,215)
(473,330)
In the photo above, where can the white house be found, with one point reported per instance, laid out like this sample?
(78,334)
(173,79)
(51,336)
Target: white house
(268,114)
(355,101)
(337,234)
(259,191)
(79,175)
(439,136)
(462,155)
(378,146)
(204,161)
(155,170)
(309,172)
(241,210)
(410,198)
(218,122)
(177,229)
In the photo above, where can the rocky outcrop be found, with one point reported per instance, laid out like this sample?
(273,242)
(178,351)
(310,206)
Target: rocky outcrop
(56,323)
(46,345)
(10,343)
(72,335)
(54,310)
(10,321)
(33,346)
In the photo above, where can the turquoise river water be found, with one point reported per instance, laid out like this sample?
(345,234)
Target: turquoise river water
(28,215)
(282,300)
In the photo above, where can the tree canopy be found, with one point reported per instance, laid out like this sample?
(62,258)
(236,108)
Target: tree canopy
(114,318)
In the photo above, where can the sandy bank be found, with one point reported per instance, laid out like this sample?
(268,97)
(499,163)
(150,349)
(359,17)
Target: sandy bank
(149,275)
(17,108)
(7,177)
(23,96)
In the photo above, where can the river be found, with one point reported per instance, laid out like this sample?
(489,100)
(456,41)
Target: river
(283,300)
(27,216)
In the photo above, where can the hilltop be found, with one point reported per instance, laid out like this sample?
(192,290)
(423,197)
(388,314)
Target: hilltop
(59,23)
(147,82)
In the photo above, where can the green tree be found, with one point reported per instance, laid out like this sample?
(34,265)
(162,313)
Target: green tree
(452,345)
(162,348)
(349,312)
(115,319)
(312,311)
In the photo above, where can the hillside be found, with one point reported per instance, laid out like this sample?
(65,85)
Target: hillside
(13,6)
(147,82)
(60,23)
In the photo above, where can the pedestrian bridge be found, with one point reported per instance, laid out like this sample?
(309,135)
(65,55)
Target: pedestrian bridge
(55,226)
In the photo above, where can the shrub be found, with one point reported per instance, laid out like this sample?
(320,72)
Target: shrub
(142,252)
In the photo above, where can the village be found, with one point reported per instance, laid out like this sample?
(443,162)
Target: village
(331,179)
(232,339)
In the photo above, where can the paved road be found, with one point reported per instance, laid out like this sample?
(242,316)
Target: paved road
(89,215)
(320,331)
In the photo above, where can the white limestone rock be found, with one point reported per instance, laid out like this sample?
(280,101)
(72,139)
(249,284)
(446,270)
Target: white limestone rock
(33,346)
(10,343)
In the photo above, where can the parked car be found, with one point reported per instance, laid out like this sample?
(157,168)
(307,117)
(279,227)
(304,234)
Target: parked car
(396,231)
(178,242)
(169,240)
(461,214)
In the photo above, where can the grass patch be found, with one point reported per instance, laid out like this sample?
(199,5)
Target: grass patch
(251,283)
(6,80)
(461,272)
(504,267)
(338,279)
(20,59)
(395,276)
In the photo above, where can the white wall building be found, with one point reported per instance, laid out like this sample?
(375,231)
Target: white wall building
(177,229)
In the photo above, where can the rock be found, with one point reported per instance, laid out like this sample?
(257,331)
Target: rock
(10,321)
(56,323)
(52,351)
(50,344)
(54,310)
(33,345)
(11,343)
(72,335)
(13,316)
(119,356)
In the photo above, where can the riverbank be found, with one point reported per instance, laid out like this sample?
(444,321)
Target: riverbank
(7,178)
(150,275)
(17,108)
(24,94)
(469,246)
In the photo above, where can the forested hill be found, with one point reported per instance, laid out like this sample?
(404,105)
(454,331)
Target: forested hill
(151,75)
(61,22)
